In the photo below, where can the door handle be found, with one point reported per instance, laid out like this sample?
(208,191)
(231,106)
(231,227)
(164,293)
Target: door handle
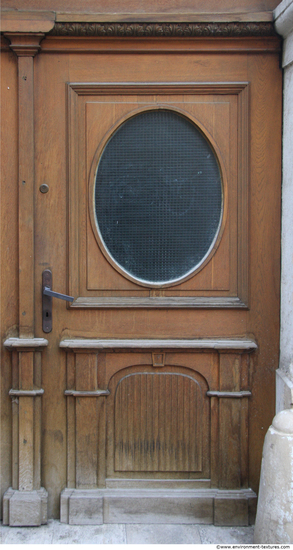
(48,294)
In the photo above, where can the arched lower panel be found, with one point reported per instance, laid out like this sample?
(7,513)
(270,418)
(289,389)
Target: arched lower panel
(157,423)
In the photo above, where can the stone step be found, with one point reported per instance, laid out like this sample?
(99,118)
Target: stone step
(151,506)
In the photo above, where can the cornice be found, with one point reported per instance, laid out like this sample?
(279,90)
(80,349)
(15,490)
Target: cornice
(164,30)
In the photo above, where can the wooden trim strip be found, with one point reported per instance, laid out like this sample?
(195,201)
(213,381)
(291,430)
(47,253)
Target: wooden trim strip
(237,394)
(15,343)
(159,302)
(155,45)
(173,17)
(25,393)
(96,393)
(169,29)
(218,344)
(158,88)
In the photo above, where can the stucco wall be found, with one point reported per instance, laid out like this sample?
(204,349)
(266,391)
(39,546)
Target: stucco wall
(284,383)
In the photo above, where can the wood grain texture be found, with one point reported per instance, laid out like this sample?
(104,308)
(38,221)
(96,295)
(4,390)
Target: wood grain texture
(26,444)
(157,46)
(86,443)
(37,421)
(26,191)
(263,316)
(71,443)
(158,424)
(26,370)
(214,442)
(86,372)
(70,423)
(229,443)
(244,443)
(230,372)
(37,442)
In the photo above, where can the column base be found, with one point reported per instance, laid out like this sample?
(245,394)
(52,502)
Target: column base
(25,508)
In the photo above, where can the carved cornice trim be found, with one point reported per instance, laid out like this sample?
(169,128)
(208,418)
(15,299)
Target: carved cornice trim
(164,30)
(25,44)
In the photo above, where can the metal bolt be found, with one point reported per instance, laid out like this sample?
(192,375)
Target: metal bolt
(44,188)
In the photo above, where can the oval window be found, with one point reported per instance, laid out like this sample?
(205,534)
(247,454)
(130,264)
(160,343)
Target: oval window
(158,197)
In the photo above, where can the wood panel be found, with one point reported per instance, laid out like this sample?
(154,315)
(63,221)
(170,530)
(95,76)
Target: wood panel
(86,421)
(158,423)
(229,443)
(26,196)
(216,110)
(71,421)
(265,169)
(86,443)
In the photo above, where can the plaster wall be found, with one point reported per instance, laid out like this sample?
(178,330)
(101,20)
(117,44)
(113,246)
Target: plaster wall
(284,383)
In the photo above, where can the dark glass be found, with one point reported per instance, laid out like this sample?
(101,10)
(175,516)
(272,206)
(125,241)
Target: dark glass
(158,196)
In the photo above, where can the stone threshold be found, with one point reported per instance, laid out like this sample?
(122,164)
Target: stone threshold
(154,506)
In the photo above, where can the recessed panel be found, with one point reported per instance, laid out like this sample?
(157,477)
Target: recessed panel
(158,423)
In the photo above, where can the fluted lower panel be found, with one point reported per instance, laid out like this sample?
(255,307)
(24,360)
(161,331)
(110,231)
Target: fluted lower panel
(158,423)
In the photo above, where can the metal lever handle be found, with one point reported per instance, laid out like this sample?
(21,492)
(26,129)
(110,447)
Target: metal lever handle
(48,292)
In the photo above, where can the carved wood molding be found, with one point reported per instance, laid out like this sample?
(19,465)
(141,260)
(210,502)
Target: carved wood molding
(164,30)
(85,393)
(25,343)
(25,44)
(26,393)
(232,394)
(182,344)
(238,296)
(158,88)
(159,302)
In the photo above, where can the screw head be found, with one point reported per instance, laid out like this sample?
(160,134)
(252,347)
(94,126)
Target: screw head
(44,188)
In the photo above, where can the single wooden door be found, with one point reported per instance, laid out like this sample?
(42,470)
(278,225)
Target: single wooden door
(161,220)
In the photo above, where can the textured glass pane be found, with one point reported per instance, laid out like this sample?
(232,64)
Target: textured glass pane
(158,196)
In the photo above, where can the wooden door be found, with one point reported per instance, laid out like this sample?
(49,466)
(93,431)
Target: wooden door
(157,396)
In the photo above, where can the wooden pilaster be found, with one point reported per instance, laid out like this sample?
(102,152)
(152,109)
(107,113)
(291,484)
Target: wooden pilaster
(26,502)
(26,46)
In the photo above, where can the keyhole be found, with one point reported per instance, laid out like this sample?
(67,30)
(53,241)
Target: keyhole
(47,314)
